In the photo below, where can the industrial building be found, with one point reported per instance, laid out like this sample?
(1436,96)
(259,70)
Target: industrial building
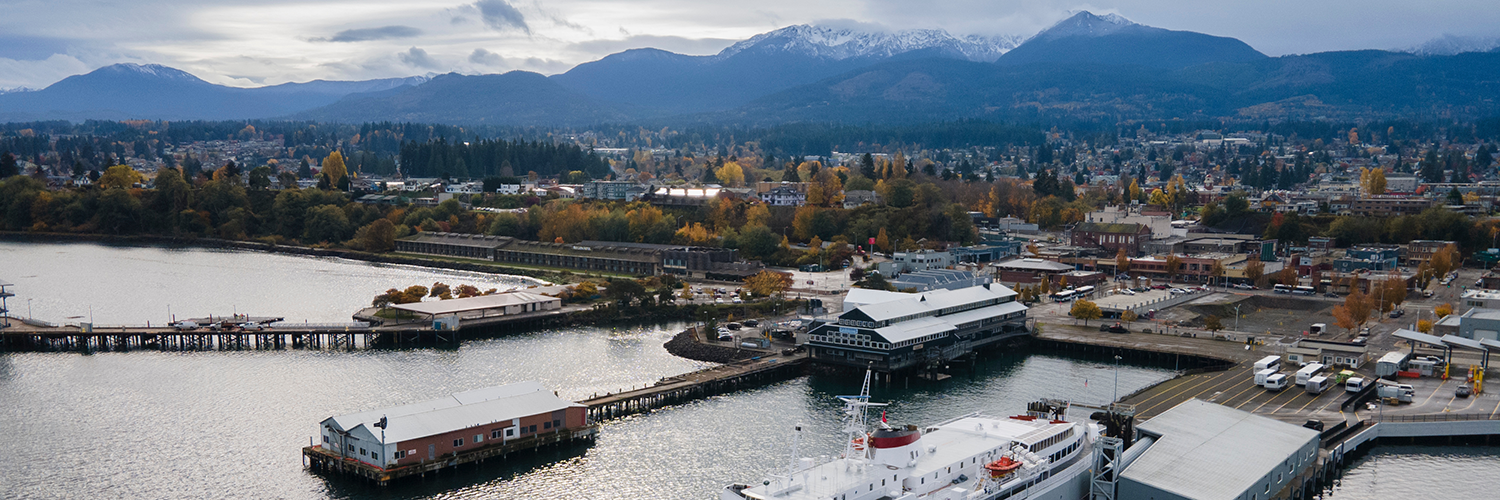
(891,331)
(459,423)
(1204,451)
(447,313)
(934,279)
(644,259)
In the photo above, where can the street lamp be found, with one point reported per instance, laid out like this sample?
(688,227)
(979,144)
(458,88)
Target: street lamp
(1237,317)
(1117,381)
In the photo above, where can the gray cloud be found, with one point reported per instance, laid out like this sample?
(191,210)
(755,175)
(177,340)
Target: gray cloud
(485,57)
(418,58)
(367,34)
(680,45)
(501,16)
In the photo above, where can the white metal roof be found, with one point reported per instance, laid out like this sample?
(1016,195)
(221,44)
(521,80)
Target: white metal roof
(452,306)
(983,312)
(1416,336)
(856,297)
(457,411)
(1454,340)
(1209,451)
(462,417)
(916,328)
(909,304)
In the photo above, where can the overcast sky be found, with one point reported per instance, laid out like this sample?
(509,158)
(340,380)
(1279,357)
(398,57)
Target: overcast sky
(262,42)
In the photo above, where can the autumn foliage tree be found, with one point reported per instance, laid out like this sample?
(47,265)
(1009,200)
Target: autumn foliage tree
(1085,310)
(1355,310)
(1254,270)
(1442,310)
(768,283)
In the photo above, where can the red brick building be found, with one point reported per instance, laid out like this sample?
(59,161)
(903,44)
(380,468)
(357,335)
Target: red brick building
(460,423)
(1111,237)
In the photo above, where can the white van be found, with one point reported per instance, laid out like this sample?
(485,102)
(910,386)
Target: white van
(1355,384)
(1273,362)
(1318,384)
(1308,372)
(1276,382)
(1261,376)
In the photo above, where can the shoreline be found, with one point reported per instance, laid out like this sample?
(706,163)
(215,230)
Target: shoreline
(555,278)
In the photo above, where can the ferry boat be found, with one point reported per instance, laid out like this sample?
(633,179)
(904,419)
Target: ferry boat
(1039,455)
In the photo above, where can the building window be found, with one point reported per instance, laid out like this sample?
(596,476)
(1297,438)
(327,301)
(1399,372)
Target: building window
(325,438)
(458,442)
(478,438)
(361,452)
(510,433)
(546,425)
(533,429)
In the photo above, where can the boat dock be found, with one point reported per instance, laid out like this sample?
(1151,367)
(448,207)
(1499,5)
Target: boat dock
(703,383)
(669,391)
(25,335)
(322,460)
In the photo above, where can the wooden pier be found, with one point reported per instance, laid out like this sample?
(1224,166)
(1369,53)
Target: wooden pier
(673,390)
(703,383)
(331,462)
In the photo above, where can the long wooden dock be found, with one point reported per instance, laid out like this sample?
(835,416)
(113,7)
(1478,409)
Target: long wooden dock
(23,336)
(703,383)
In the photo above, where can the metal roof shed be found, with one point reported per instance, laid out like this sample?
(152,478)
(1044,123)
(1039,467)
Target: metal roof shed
(1484,352)
(484,304)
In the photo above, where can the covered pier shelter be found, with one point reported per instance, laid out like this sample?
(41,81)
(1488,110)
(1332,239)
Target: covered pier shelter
(483,306)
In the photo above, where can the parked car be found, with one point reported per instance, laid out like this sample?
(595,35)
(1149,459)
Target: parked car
(1463,392)
(1396,313)
(185,325)
(1244,286)
(1316,425)
(1159,287)
(251,327)
(1330,294)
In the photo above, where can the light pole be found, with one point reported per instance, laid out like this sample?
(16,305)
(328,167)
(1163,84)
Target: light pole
(28,309)
(1117,381)
(1236,317)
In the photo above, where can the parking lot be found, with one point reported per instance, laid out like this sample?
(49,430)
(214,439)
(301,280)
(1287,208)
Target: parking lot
(1236,388)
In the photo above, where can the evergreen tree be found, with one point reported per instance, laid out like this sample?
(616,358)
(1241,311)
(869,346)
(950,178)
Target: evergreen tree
(304,171)
(789,174)
(8,165)
(867,166)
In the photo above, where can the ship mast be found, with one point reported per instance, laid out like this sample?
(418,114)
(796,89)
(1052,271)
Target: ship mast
(856,413)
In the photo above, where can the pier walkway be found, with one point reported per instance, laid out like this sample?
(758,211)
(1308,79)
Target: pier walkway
(703,383)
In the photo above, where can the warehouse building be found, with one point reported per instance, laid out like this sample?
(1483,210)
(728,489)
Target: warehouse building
(891,331)
(459,423)
(642,259)
(1200,451)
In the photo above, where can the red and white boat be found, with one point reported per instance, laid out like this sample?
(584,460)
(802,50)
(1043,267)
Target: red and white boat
(972,457)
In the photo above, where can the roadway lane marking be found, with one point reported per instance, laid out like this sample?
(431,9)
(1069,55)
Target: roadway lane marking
(1434,392)
(1494,411)
(1273,399)
(1242,391)
(1294,398)
(1230,380)
(1169,397)
(1168,386)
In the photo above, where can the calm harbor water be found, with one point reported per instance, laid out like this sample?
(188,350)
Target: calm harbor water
(230,424)
(1403,472)
(69,282)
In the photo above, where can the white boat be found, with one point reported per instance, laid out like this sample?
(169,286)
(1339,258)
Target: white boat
(972,457)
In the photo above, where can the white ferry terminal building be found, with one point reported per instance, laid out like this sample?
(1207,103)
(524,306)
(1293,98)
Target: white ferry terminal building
(893,331)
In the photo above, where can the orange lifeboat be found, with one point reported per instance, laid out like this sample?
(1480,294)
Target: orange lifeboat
(1001,467)
(859,443)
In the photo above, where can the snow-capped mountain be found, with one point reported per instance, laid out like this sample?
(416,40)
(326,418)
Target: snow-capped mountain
(1448,45)
(1093,40)
(1085,23)
(841,44)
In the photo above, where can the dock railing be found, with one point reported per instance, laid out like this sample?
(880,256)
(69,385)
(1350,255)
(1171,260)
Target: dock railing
(1436,417)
